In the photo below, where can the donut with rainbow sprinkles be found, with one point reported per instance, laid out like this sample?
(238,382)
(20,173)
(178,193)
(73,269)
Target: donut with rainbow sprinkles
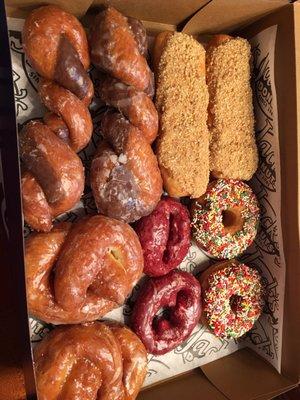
(225,219)
(232,297)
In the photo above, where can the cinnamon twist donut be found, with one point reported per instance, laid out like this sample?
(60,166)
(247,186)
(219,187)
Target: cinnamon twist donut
(125,177)
(56,46)
(79,272)
(90,361)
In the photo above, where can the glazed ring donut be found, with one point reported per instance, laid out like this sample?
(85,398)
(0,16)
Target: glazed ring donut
(56,45)
(232,298)
(90,361)
(179,293)
(225,219)
(134,104)
(77,273)
(125,177)
(164,236)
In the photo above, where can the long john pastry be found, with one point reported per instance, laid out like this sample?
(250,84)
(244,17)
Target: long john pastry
(53,176)
(182,100)
(233,151)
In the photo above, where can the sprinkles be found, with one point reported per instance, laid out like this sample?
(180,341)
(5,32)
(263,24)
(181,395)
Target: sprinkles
(232,300)
(208,225)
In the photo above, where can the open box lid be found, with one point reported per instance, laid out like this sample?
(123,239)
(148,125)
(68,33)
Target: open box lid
(221,374)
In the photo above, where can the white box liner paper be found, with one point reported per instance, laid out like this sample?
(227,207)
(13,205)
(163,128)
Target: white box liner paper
(266,254)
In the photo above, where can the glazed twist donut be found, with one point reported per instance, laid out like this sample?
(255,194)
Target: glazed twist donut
(56,45)
(79,272)
(125,177)
(90,361)
(137,107)
(118,46)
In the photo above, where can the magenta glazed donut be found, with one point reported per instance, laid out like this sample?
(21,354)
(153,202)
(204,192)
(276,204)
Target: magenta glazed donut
(179,295)
(164,236)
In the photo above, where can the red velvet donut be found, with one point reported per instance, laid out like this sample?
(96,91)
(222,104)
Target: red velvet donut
(164,236)
(179,295)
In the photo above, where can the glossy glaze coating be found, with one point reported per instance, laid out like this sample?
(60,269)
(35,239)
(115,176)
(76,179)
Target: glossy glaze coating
(54,180)
(140,35)
(72,111)
(134,356)
(134,104)
(81,362)
(79,272)
(164,236)
(88,362)
(56,46)
(179,294)
(125,177)
(115,50)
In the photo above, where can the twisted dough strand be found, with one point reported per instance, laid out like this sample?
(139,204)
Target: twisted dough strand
(125,177)
(79,272)
(90,361)
(53,181)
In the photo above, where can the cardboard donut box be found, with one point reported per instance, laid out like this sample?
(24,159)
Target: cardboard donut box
(242,375)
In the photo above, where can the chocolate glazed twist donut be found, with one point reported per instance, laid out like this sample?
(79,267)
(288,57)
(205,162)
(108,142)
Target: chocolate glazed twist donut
(56,46)
(125,177)
(90,361)
(79,272)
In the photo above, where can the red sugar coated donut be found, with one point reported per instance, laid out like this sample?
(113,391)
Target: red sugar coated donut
(179,295)
(164,236)
(232,298)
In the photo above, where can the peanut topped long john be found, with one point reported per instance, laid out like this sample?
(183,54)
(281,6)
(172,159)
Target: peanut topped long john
(53,178)
(233,151)
(182,100)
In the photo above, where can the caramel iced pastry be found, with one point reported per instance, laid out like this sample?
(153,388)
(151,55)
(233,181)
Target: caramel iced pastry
(233,151)
(182,100)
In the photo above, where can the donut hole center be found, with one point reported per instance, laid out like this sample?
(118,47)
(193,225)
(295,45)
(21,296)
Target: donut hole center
(235,302)
(232,220)
(162,316)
